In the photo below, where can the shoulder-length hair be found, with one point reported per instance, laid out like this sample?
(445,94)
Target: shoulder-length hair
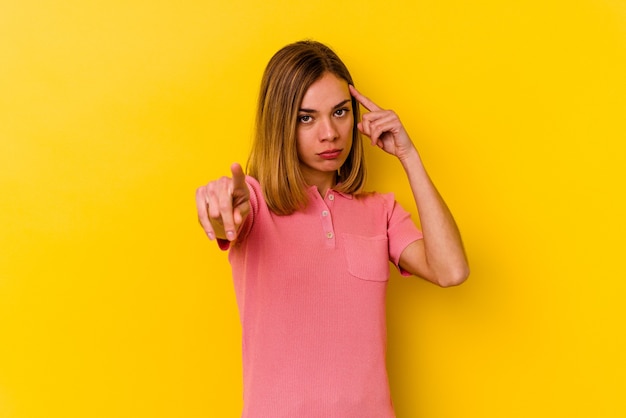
(273,159)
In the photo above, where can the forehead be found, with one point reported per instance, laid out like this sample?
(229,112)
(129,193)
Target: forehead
(327,91)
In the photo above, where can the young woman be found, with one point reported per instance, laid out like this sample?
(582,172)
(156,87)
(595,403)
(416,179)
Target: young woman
(310,250)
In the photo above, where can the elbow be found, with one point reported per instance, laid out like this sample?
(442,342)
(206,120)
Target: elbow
(454,277)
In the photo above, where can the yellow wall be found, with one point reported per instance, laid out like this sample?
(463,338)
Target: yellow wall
(114,304)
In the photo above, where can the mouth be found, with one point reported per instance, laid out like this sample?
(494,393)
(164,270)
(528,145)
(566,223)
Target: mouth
(330,154)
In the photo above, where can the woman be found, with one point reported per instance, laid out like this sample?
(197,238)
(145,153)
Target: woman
(310,250)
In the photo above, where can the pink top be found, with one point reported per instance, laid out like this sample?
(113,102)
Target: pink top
(311,290)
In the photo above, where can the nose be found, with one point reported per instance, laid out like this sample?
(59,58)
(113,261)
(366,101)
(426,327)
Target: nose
(328,131)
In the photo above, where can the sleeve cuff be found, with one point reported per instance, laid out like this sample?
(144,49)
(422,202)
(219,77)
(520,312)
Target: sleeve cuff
(223,244)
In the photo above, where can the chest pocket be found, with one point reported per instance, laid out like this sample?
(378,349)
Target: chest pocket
(367,257)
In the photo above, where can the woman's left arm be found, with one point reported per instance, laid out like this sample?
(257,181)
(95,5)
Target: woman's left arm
(440,256)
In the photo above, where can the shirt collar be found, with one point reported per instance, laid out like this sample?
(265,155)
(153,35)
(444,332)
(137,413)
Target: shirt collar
(313,189)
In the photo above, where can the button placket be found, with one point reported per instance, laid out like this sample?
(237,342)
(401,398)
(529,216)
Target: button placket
(327,221)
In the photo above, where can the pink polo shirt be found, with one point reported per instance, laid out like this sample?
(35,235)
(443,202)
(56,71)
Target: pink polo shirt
(310,289)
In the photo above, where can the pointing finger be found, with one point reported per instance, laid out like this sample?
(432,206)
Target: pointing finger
(239,178)
(240,194)
(367,103)
(224,210)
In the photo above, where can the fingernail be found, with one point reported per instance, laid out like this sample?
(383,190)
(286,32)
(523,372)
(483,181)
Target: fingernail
(211,236)
(230,235)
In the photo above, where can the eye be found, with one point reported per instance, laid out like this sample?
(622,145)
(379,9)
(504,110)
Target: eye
(341,112)
(305,118)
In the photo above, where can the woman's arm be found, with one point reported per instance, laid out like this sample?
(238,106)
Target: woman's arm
(439,257)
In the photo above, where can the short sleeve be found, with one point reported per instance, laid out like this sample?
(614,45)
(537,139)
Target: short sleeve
(401,231)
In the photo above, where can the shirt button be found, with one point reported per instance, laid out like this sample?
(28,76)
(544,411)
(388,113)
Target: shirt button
(329,235)
(325,213)
(331,197)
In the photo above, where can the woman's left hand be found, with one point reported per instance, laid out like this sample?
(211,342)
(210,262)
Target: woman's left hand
(384,128)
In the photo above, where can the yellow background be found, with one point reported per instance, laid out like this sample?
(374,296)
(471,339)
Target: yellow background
(114,304)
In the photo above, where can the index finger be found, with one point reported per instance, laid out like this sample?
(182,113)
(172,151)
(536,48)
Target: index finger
(239,178)
(367,103)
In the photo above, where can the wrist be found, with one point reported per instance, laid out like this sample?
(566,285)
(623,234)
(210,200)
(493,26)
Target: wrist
(410,158)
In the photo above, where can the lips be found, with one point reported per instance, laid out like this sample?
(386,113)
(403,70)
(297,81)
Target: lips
(330,154)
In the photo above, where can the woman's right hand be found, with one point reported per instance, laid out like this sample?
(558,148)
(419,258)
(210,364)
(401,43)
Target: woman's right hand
(223,205)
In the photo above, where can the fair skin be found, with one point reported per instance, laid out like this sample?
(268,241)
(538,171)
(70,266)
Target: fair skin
(324,136)
(324,133)
(439,257)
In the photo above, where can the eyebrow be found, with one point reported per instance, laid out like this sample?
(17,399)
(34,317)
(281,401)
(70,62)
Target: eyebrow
(338,105)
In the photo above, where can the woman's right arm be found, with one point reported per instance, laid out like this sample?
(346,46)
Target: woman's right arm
(223,205)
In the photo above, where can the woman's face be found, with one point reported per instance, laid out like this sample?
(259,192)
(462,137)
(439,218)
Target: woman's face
(324,130)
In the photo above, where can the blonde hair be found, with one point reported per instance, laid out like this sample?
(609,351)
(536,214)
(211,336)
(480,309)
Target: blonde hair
(273,160)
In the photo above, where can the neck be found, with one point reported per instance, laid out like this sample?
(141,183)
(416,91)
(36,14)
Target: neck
(322,182)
